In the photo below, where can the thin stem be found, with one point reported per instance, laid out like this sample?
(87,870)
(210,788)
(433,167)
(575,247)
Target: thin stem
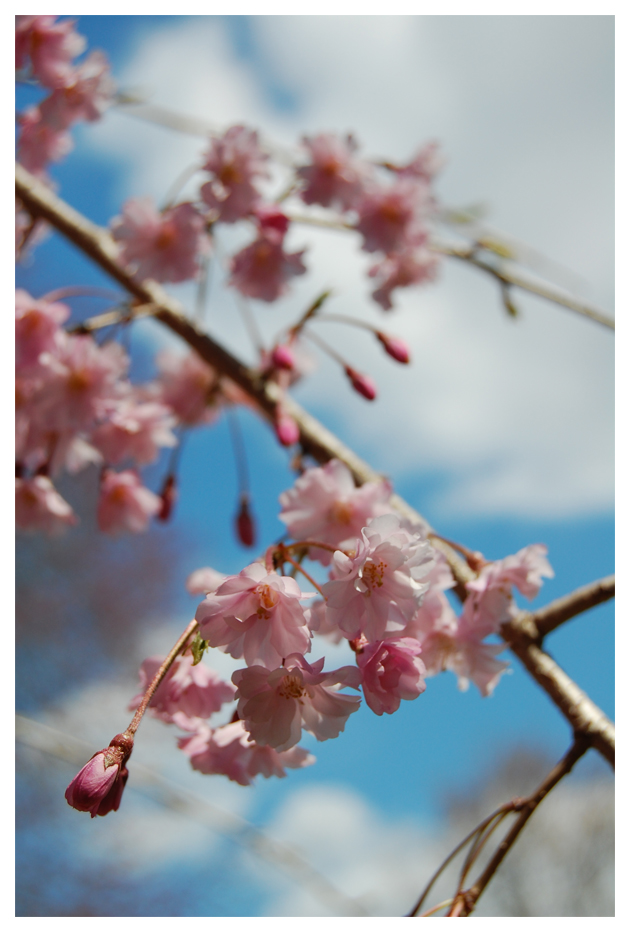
(300,568)
(475,850)
(203,287)
(300,544)
(177,648)
(435,909)
(110,318)
(183,177)
(326,348)
(238,445)
(580,746)
(551,616)
(75,291)
(311,311)
(250,323)
(474,558)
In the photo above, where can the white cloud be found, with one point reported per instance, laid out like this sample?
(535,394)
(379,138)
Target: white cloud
(515,416)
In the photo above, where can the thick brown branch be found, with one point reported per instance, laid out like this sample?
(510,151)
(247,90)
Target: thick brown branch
(467,900)
(315,439)
(551,616)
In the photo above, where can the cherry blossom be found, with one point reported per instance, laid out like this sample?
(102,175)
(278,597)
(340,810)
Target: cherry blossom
(49,46)
(163,246)
(391,671)
(389,216)
(334,178)
(466,656)
(256,615)
(40,507)
(234,160)
(186,384)
(378,589)
(262,269)
(37,323)
(98,787)
(124,503)
(135,430)
(424,166)
(204,580)
(39,143)
(189,692)
(325,505)
(230,751)
(411,266)
(86,95)
(276,704)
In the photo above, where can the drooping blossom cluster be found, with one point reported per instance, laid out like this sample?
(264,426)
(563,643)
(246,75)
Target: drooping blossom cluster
(75,406)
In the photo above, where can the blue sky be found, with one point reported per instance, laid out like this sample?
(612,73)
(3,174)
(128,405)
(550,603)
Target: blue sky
(502,432)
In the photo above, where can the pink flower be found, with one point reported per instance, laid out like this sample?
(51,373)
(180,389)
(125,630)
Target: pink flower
(187,384)
(320,623)
(391,670)
(40,507)
(125,504)
(325,505)
(395,347)
(50,47)
(86,95)
(187,693)
(36,327)
(98,787)
(262,269)
(256,615)
(287,428)
(425,165)
(389,216)
(234,160)
(230,751)
(378,590)
(468,657)
(276,704)
(334,178)
(135,430)
(410,266)
(204,580)
(163,246)
(39,143)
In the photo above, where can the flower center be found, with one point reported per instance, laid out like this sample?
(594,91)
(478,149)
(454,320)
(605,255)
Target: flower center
(166,236)
(341,512)
(291,687)
(268,598)
(78,381)
(372,574)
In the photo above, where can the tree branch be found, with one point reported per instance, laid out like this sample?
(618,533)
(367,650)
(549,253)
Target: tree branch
(550,617)
(521,635)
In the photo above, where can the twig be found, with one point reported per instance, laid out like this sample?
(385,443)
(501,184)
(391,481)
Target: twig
(469,898)
(550,617)
(520,634)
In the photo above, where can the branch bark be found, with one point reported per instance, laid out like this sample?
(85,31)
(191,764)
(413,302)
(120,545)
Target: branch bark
(521,635)
(550,617)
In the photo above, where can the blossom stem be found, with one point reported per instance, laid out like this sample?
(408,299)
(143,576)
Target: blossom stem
(474,558)
(177,648)
(435,909)
(303,571)
(300,544)
(75,291)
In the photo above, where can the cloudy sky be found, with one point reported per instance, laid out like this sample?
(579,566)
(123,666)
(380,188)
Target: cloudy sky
(501,432)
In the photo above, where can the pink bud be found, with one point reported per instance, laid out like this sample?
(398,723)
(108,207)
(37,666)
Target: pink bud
(245,527)
(362,384)
(169,497)
(287,431)
(98,787)
(396,347)
(273,222)
(282,357)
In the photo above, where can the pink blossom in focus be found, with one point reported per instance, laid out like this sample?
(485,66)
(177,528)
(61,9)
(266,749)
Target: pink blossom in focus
(325,505)
(186,384)
(39,143)
(230,751)
(204,580)
(378,590)
(187,693)
(256,615)
(410,266)
(334,179)
(392,670)
(88,94)
(37,323)
(262,269)
(275,704)
(320,623)
(466,656)
(388,217)
(162,246)
(98,787)
(40,507)
(234,160)
(125,504)
(49,46)
(135,430)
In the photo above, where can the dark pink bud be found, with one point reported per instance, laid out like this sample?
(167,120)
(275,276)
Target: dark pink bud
(169,497)
(245,527)
(272,221)
(282,357)
(396,347)
(287,430)
(362,384)
(98,787)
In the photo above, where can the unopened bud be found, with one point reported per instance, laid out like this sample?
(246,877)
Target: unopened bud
(245,527)
(282,357)
(396,347)
(169,497)
(287,430)
(98,787)
(362,384)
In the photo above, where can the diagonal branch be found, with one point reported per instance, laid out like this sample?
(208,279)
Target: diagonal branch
(521,634)
(550,617)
